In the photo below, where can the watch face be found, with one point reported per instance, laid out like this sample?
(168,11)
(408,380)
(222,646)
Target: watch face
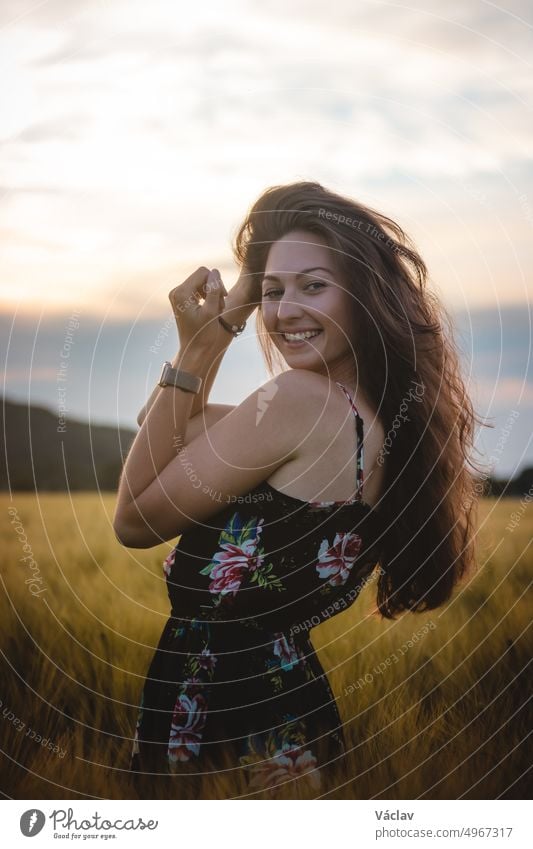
(163,379)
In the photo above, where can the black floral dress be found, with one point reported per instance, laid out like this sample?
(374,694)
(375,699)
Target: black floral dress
(235,671)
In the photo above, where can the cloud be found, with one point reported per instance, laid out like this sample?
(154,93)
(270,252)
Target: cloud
(137,137)
(67,128)
(509,393)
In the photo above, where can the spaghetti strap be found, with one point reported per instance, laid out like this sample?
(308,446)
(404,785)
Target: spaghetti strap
(359,425)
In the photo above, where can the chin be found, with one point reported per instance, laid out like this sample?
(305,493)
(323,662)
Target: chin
(303,362)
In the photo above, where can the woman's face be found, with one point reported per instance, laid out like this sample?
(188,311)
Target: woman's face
(301,291)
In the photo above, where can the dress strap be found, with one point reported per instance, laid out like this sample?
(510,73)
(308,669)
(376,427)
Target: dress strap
(359,426)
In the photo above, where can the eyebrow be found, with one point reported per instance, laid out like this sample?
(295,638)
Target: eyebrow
(300,273)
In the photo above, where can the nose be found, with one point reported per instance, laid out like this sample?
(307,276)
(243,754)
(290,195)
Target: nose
(288,307)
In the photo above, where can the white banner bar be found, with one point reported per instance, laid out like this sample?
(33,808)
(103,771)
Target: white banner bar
(242,823)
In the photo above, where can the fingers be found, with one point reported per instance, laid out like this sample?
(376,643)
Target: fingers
(214,283)
(215,292)
(251,285)
(198,285)
(189,292)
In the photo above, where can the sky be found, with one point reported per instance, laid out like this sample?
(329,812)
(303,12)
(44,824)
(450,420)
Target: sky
(135,136)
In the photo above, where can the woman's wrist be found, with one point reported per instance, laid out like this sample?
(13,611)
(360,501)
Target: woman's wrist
(203,364)
(194,360)
(237,315)
(240,302)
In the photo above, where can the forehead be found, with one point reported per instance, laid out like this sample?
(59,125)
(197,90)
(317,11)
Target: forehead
(297,250)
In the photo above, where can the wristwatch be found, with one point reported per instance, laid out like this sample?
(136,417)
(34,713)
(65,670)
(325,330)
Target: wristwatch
(182,379)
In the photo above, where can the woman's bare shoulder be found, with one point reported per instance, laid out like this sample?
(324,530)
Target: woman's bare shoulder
(301,382)
(316,394)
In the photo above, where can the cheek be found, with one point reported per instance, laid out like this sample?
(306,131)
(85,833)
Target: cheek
(337,330)
(339,316)
(268,313)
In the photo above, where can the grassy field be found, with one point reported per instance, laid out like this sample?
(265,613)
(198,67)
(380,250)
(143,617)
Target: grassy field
(434,705)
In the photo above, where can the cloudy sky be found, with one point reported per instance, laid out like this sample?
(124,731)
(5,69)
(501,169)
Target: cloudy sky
(134,136)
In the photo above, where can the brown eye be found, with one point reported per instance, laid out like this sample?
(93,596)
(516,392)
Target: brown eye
(312,283)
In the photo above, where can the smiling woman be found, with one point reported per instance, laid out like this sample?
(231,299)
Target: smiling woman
(287,503)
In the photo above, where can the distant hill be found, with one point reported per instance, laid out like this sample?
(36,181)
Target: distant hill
(37,455)
(34,455)
(519,486)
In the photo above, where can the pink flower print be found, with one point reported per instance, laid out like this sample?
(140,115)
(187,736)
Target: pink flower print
(169,562)
(188,721)
(286,764)
(193,680)
(232,564)
(207,660)
(286,651)
(226,579)
(336,562)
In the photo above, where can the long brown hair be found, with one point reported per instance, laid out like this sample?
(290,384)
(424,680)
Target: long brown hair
(406,363)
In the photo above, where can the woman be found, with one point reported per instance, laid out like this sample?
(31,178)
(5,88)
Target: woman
(352,458)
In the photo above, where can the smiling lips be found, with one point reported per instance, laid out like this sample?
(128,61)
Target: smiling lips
(300,336)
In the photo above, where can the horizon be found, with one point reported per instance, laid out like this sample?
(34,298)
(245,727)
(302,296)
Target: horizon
(112,366)
(109,424)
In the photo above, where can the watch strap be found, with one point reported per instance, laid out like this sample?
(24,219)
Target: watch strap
(180,379)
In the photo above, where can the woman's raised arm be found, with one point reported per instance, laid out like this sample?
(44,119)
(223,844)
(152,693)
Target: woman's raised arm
(240,302)
(234,456)
(163,432)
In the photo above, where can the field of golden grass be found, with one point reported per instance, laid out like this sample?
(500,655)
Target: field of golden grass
(434,705)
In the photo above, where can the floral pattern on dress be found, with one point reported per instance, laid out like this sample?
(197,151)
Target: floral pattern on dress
(285,657)
(188,721)
(168,563)
(287,763)
(207,660)
(229,666)
(239,556)
(191,707)
(140,711)
(285,651)
(283,756)
(335,562)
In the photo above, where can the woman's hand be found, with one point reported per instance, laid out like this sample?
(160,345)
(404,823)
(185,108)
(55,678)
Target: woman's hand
(242,298)
(247,289)
(198,324)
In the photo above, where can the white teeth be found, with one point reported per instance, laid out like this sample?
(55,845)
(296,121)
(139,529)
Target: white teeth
(307,335)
